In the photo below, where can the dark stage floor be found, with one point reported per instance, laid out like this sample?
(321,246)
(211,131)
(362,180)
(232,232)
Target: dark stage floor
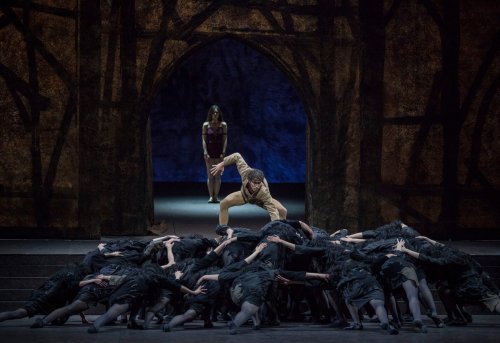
(486,328)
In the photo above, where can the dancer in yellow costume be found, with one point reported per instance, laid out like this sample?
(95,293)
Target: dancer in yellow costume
(254,190)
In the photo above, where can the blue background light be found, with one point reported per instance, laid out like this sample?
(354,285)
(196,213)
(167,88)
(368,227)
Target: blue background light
(265,116)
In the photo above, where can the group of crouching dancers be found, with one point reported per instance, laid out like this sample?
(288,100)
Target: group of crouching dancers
(265,276)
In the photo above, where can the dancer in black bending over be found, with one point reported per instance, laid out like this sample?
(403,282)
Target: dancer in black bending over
(394,229)
(463,275)
(203,303)
(251,280)
(59,288)
(351,278)
(134,289)
(396,272)
(95,288)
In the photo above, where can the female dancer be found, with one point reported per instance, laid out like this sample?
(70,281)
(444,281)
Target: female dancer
(214,139)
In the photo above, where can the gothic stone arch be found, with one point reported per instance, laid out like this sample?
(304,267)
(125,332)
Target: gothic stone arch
(291,36)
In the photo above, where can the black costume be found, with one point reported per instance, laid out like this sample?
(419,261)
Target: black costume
(56,290)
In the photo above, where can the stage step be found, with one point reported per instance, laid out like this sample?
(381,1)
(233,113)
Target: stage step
(20,274)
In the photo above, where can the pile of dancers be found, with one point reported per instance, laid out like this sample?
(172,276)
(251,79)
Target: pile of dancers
(282,271)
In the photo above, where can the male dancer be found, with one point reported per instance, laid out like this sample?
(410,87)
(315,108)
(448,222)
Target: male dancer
(254,190)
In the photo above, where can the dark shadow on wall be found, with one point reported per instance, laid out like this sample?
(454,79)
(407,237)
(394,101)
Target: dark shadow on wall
(265,116)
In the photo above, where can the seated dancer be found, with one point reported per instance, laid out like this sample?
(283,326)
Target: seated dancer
(59,288)
(254,190)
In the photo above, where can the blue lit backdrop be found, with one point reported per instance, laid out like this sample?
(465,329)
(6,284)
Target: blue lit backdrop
(265,116)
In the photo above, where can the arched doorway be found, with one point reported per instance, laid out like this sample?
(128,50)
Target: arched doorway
(265,116)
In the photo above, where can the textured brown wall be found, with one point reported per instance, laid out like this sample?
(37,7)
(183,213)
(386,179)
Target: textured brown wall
(38,128)
(401,97)
(418,54)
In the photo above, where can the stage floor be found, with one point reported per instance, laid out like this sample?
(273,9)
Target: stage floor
(185,207)
(185,210)
(484,329)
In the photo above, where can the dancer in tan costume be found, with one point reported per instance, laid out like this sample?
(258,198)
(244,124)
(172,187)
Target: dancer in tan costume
(254,190)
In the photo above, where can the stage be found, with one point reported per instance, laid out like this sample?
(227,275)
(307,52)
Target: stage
(485,329)
(185,209)
(25,263)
